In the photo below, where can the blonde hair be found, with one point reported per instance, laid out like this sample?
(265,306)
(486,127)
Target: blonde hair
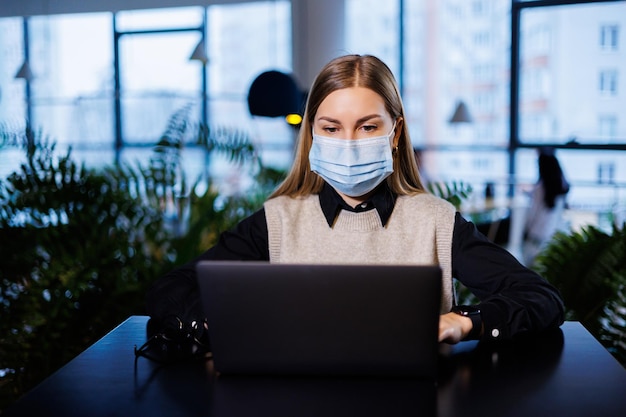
(344,72)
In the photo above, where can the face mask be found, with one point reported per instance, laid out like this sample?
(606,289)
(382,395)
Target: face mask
(352,167)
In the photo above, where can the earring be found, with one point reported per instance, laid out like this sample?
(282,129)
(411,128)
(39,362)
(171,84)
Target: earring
(394,152)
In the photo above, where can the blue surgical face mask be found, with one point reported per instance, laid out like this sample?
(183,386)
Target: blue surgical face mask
(352,167)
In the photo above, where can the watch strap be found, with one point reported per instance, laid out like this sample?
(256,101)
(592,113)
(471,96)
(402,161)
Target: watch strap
(473,313)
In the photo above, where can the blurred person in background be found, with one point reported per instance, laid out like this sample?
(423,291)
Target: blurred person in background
(548,202)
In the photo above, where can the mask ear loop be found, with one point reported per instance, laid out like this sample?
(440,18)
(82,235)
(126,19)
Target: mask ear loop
(394,151)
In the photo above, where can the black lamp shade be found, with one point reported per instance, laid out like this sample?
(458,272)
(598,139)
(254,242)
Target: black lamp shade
(274,94)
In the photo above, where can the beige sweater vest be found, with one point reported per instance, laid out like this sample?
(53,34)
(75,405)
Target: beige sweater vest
(418,232)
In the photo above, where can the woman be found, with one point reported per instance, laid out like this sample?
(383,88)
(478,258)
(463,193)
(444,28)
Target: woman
(354,195)
(545,215)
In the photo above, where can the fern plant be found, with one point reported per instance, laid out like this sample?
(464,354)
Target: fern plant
(79,250)
(455,192)
(81,246)
(589,268)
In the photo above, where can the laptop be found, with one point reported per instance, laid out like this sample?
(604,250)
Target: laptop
(325,320)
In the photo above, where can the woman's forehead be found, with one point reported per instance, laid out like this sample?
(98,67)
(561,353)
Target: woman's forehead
(351,103)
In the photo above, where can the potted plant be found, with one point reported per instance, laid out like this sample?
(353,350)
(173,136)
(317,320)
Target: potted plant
(589,268)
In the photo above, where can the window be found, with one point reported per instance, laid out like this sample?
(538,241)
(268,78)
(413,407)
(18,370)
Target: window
(484,72)
(245,40)
(481,39)
(450,51)
(12,91)
(609,35)
(372,27)
(479,7)
(73,92)
(156,76)
(72,89)
(458,51)
(607,127)
(608,82)
(579,107)
(455,50)
(567,83)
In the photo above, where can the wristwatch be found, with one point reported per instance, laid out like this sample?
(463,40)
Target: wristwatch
(474,314)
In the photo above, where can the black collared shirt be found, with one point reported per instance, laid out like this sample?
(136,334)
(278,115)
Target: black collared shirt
(383,200)
(513,299)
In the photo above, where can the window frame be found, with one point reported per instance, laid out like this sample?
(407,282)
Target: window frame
(515,144)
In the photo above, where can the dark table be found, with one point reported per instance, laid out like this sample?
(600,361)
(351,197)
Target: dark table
(563,373)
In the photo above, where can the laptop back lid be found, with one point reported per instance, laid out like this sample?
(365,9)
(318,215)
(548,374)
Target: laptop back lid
(294,319)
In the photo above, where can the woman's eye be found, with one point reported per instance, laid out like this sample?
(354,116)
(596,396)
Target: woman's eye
(369,128)
(330,129)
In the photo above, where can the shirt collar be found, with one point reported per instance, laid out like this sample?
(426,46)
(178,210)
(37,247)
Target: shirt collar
(383,200)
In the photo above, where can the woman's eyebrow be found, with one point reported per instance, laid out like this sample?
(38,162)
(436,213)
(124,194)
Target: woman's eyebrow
(359,121)
(329,119)
(368,117)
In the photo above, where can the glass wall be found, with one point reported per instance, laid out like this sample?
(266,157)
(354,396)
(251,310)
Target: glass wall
(82,63)
(244,41)
(568,87)
(72,85)
(445,52)
(373,27)
(569,84)
(571,60)
(570,97)
(12,91)
(156,76)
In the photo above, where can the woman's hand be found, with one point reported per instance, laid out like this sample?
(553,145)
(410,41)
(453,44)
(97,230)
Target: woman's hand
(453,327)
